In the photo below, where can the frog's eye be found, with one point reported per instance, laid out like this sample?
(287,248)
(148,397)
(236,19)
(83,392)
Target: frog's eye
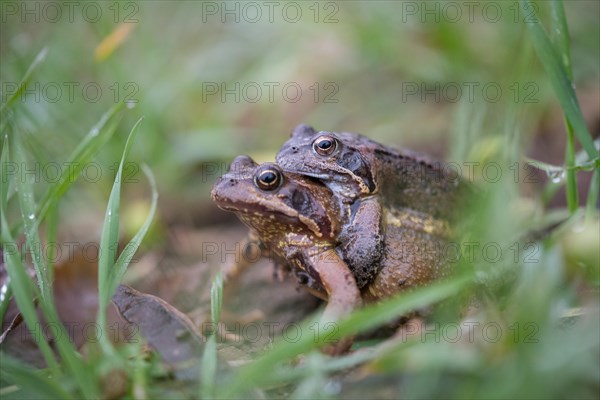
(325,145)
(268,178)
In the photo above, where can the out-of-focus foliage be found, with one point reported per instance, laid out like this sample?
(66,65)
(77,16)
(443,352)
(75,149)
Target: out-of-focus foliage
(394,73)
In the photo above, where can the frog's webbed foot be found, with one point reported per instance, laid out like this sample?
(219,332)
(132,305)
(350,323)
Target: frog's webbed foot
(362,241)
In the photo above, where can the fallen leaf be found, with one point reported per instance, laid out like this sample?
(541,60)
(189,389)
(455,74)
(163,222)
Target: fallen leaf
(170,332)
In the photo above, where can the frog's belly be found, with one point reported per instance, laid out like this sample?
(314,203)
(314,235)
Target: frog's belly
(411,258)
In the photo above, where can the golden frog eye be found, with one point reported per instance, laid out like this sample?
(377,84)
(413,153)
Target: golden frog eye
(268,178)
(325,145)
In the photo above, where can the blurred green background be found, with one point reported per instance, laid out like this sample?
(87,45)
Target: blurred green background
(404,73)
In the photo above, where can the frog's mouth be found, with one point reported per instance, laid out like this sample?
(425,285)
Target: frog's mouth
(322,178)
(227,207)
(268,210)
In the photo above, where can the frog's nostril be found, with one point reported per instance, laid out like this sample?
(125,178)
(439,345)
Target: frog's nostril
(294,149)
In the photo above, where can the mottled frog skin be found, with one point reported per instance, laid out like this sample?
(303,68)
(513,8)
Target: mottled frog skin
(413,253)
(369,177)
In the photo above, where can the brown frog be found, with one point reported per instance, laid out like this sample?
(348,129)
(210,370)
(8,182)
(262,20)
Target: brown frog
(299,220)
(295,218)
(369,177)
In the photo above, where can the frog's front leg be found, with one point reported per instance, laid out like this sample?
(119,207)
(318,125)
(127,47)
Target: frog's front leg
(342,293)
(250,249)
(362,240)
(247,252)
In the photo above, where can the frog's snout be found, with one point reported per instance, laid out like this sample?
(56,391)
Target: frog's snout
(214,193)
(221,187)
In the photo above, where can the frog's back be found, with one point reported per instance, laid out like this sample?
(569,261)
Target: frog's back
(416,181)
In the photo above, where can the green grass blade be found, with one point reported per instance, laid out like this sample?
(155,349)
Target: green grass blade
(33,380)
(208,371)
(51,237)
(70,356)
(363,319)
(561,40)
(209,357)
(140,379)
(28,208)
(100,133)
(5,295)
(592,199)
(6,289)
(23,293)
(67,352)
(572,190)
(216,298)
(4,182)
(561,34)
(582,159)
(19,280)
(292,373)
(109,241)
(559,79)
(23,84)
(127,254)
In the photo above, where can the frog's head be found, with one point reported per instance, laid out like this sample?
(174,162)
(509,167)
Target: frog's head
(338,159)
(271,202)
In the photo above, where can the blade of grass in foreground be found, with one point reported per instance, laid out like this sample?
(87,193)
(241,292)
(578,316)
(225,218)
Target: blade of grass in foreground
(209,357)
(591,207)
(561,36)
(19,280)
(67,351)
(24,376)
(5,296)
(23,84)
(361,320)
(51,237)
(592,200)
(6,289)
(110,272)
(27,205)
(100,133)
(560,81)
(128,252)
